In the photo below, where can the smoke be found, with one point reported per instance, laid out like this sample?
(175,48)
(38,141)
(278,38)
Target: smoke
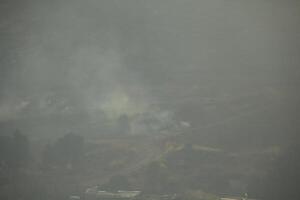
(72,60)
(141,58)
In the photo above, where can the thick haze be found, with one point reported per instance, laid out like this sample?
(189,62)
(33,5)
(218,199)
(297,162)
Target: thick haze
(137,57)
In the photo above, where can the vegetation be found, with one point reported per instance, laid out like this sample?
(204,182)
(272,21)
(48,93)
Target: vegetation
(195,172)
(66,151)
(117,182)
(282,179)
(14,151)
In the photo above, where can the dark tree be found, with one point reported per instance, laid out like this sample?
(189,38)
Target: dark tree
(123,125)
(66,150)
(282,180)
(156,178)
(116,183)
(14,150)
(20,152)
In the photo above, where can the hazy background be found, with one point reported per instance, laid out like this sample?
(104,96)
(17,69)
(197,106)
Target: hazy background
(198,98)
(163,59)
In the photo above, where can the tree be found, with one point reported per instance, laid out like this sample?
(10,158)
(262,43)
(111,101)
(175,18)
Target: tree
(21,149)
(123,125)
(283,178)
(156,178)
(66,150)
(14,150)
(116,183)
